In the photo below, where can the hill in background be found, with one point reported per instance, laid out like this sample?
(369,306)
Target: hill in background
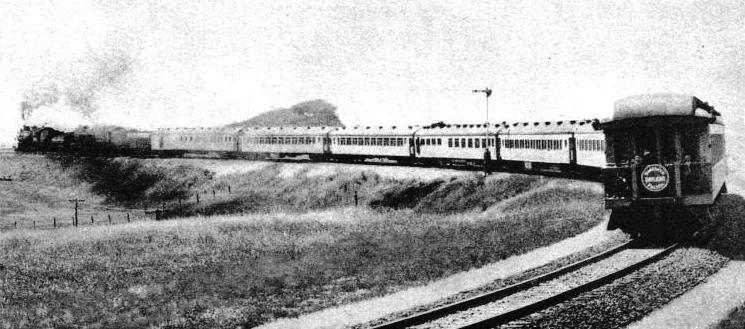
(315,113)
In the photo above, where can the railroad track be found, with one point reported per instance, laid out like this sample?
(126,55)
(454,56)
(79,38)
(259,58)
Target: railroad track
(514,302)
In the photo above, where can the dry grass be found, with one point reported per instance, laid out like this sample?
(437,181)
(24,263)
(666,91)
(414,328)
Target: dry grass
(231,271)
(279,261)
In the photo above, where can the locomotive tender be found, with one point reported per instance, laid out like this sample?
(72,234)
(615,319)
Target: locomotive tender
(661,157)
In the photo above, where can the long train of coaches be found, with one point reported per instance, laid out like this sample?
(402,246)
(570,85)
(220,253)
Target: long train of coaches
(530,145)
(658,155)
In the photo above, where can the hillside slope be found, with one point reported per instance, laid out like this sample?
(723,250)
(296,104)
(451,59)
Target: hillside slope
(315,113)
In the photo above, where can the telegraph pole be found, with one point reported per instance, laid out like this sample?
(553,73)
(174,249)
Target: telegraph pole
(77,201)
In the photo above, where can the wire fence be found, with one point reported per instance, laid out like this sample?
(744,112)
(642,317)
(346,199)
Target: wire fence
(97,215)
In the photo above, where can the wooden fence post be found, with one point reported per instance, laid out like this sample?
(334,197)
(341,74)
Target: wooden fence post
(228,189)
(197,197)
(91,219)
(54,223)
(213,194)
(34,225)
(109,218)
(127,217)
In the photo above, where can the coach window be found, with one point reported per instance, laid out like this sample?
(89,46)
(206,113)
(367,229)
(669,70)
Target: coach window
(457,142)
(439,141)
(450,142)
(400,142)
(476,143)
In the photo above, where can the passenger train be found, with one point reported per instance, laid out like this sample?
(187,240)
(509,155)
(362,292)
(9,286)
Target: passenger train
(562,145)
(661,157)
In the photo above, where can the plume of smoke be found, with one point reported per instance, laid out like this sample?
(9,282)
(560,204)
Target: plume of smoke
(75,91)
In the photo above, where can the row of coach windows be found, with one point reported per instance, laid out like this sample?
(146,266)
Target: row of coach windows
(470,142)
(210,138)
(535,144)
(591,145)
(369,141)
(281,140)
(430,141)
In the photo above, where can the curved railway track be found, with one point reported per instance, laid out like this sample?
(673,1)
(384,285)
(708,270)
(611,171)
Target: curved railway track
(514,302)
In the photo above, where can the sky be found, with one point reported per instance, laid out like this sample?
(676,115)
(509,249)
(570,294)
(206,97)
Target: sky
(150,64)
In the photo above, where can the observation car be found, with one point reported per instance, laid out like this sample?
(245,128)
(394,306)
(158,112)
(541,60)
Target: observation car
(665,163)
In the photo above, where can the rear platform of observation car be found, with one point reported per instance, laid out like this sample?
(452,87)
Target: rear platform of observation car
(663,149)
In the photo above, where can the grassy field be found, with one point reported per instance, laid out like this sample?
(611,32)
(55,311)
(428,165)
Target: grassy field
(300,247)
(41,188)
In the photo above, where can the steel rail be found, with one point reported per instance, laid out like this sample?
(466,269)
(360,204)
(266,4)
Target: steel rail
(566,295)
(441,311)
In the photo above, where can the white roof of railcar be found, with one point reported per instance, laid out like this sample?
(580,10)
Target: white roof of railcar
(376,130)
(456,129)
(515,128)
(661,105)
(286,131)
(199,130)
(548,127)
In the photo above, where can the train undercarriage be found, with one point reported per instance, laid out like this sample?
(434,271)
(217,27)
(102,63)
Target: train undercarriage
(669,222)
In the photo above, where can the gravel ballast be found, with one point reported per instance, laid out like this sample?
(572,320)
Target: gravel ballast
(632,297)
(565,282)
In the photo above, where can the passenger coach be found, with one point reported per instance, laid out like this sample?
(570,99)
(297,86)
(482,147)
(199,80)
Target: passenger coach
(559,146)
(448,143)
(365,142)
(259,142)
(176,141)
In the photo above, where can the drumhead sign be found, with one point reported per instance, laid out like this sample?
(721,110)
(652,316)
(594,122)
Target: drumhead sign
(655,178)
